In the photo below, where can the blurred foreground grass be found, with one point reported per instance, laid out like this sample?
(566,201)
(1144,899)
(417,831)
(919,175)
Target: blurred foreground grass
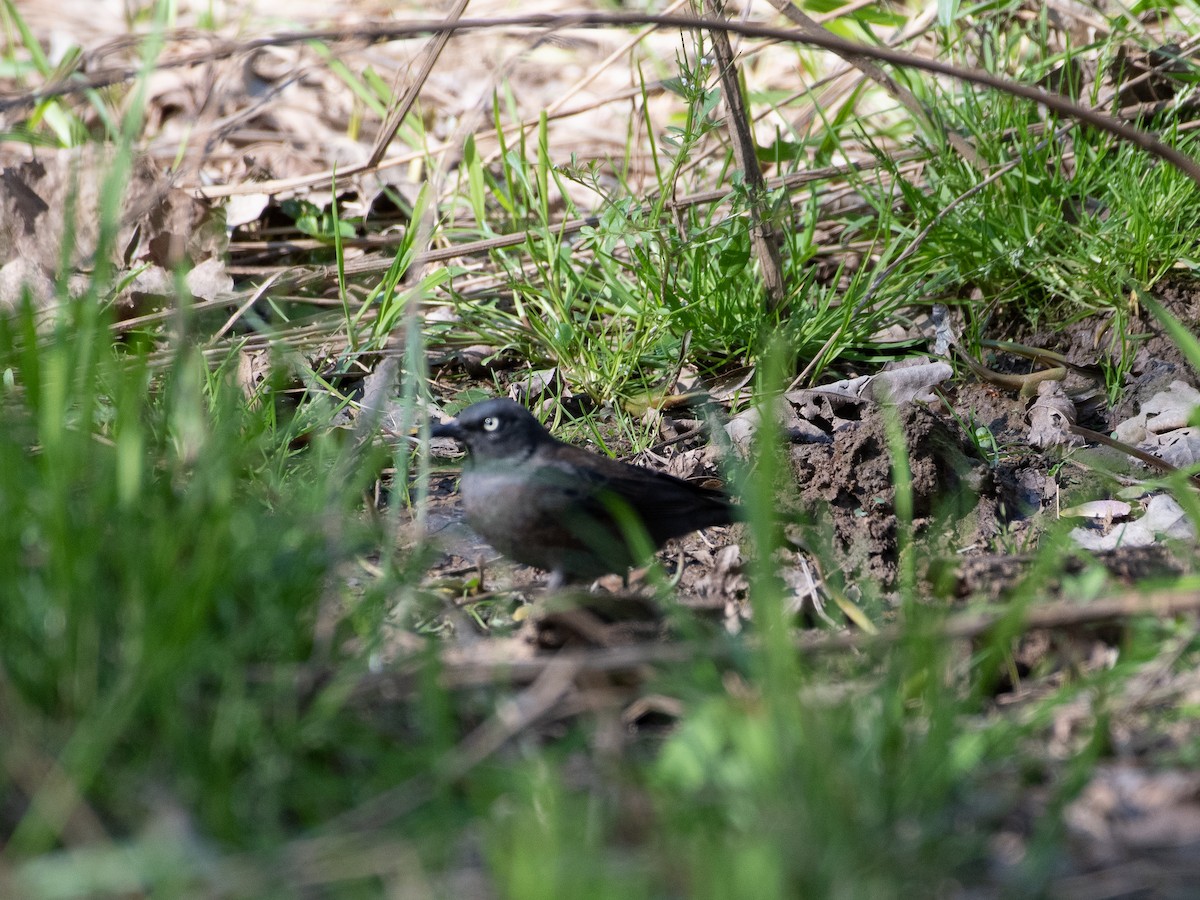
(176,725)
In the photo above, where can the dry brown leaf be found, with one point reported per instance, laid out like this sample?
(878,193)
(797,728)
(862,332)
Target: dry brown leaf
(1164,517)
(1051,417)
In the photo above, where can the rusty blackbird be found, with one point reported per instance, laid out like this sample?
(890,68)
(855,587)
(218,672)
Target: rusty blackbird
(557,507)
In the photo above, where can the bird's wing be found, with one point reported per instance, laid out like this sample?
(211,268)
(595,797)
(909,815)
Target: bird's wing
(653,495)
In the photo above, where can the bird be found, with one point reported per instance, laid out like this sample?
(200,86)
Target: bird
(554,506)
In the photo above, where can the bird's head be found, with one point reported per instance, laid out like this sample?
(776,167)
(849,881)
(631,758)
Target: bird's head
(495,431)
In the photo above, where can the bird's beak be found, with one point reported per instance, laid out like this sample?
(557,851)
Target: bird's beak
(450,429)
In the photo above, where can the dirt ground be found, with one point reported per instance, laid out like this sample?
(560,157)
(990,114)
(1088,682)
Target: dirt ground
(971,506)
(984,507)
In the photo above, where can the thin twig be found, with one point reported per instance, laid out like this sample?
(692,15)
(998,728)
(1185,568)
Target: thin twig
(512,716)
(396,117)
(826,41)
(763,236)
(474,673)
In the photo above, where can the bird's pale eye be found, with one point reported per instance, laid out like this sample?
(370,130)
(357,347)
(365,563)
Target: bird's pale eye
(491,423)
